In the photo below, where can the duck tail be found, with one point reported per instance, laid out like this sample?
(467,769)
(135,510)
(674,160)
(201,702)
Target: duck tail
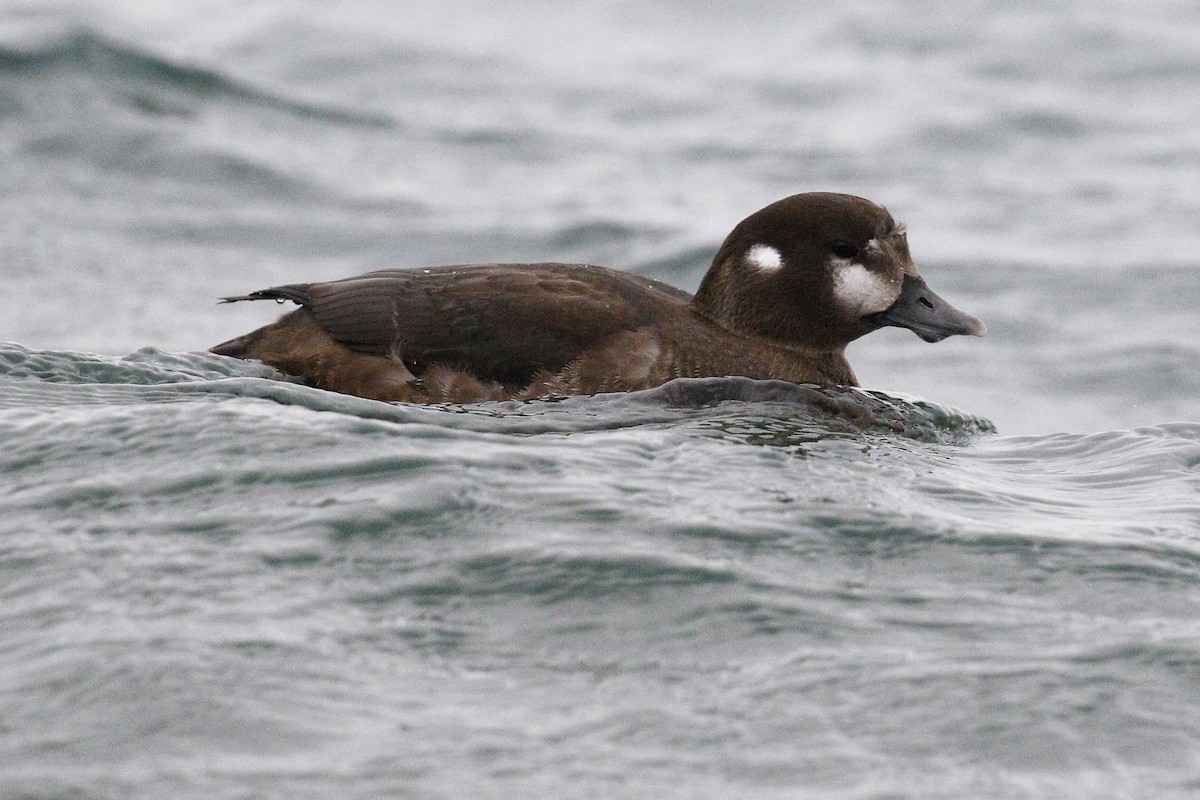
(296,292)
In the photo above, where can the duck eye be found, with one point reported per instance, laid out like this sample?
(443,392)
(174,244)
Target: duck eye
(844,249)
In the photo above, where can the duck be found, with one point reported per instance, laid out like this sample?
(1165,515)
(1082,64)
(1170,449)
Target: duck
(791,285)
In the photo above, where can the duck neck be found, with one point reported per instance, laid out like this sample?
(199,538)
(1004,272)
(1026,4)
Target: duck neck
(740,352)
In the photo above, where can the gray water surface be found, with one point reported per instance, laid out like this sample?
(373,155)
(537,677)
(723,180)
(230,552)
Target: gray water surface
(976,577)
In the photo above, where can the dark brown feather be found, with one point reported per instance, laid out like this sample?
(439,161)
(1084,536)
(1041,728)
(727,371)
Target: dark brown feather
(501,322)
(491,331)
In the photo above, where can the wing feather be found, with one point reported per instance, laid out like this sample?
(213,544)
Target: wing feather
(502,322)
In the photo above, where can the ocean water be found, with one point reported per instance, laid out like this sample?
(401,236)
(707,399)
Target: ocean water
(978,576)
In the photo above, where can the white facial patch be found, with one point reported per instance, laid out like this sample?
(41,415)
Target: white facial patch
(765,258)
(859,290)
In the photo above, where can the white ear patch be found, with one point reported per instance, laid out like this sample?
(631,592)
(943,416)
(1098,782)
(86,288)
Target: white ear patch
(765,258)
(861,291)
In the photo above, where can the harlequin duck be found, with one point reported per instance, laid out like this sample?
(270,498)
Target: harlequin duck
(789,288)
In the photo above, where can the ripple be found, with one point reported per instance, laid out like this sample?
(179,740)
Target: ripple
(88,53)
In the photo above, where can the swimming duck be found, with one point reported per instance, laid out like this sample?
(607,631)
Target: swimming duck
(789,288)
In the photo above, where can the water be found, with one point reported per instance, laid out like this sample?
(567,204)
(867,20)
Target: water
(975,578)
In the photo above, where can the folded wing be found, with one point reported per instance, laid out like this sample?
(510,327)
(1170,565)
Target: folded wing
(501,322)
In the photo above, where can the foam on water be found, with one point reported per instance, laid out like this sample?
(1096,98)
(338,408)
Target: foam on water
(216,582)
(288,588)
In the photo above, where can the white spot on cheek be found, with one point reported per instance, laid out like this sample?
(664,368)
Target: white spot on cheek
(861,291)
(764,257)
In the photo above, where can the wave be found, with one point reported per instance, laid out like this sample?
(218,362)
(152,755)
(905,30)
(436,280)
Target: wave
(850,473)
(761,412)
(156,85)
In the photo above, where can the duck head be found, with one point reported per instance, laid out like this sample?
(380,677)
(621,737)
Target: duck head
(817,271)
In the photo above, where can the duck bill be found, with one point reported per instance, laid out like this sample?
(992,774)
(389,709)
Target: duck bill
(924,313)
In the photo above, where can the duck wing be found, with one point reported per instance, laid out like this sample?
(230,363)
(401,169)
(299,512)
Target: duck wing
(501,322)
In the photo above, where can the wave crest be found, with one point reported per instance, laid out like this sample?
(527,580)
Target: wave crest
(761,412)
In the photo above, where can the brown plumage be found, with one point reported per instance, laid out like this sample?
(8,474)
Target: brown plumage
(789,288)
